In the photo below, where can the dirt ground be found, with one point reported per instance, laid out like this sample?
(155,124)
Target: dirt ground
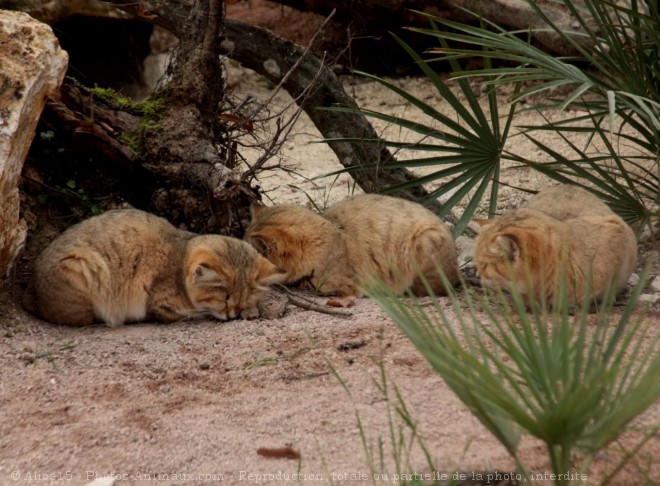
(266,401)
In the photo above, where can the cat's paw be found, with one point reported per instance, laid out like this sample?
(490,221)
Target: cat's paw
(250,313)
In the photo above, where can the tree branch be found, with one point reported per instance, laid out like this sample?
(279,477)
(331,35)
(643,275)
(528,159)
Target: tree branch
(272,57)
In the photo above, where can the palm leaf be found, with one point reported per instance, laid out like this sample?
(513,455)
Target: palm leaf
(563,379)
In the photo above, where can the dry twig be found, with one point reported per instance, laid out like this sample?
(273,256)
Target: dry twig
(283,127)
(306,303)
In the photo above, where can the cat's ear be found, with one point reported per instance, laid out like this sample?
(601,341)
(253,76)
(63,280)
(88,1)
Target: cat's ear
(269,274)
(482,222)
(259,244)
(203,275)
(507,246)
(256,208)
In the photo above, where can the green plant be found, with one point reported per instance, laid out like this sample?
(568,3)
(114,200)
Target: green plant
(111,95)
(390,456)
(273,360)
(68,193)
(573,383)
(131,140)
(469,150)
(402,436)
(51,352)
(619,91)
(150,109)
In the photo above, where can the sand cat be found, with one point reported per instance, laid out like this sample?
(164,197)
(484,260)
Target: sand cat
(563,232)
(127,265)
(361,237)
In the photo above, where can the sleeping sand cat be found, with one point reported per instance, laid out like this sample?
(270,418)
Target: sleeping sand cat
(563,230)
(127,265)
(354,240)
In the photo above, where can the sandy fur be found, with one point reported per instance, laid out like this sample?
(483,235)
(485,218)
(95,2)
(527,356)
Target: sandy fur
(564,232)
(128,265)
(358,238)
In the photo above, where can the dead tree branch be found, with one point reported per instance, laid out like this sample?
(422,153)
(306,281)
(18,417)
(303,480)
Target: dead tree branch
(181,152)
(272,57)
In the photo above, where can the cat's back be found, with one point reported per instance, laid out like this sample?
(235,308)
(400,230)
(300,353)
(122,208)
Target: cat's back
(119,243)
(561,225)
(108,260)
(115,229)
(567,201)
(394,238)
(595,230)
(369,213)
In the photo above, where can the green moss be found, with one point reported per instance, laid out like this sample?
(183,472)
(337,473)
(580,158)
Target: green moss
(131,140)
(150,109)
(112,96)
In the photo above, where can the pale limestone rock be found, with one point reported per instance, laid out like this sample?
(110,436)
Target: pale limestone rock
(633,280)
(649,298)
(465,250)
(32,67)
(655,285)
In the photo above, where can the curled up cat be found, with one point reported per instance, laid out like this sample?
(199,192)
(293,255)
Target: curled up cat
(563,233)
(128,265)
(355,240)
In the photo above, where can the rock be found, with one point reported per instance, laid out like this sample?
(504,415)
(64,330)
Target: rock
(655,284)
(649,298)
(32,66)
(633,280)
(465,250)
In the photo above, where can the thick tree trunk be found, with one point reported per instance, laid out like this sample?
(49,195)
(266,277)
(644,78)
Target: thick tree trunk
(182,148)
(172,162)
(312,84)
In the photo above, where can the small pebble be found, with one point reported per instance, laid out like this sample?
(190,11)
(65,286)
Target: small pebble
(465,249)
(655,284)
(633,280)
(649,298)
(272,68)
(204,366)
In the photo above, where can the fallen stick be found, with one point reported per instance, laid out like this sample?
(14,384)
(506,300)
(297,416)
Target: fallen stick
(309,304)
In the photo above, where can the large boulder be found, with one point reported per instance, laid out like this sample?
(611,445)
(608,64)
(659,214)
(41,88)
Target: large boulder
(32,67)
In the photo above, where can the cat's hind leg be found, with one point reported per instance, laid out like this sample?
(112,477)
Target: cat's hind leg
(69,291)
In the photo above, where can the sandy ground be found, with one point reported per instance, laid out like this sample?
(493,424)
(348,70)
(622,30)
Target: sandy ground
(199,401)
(210,402)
